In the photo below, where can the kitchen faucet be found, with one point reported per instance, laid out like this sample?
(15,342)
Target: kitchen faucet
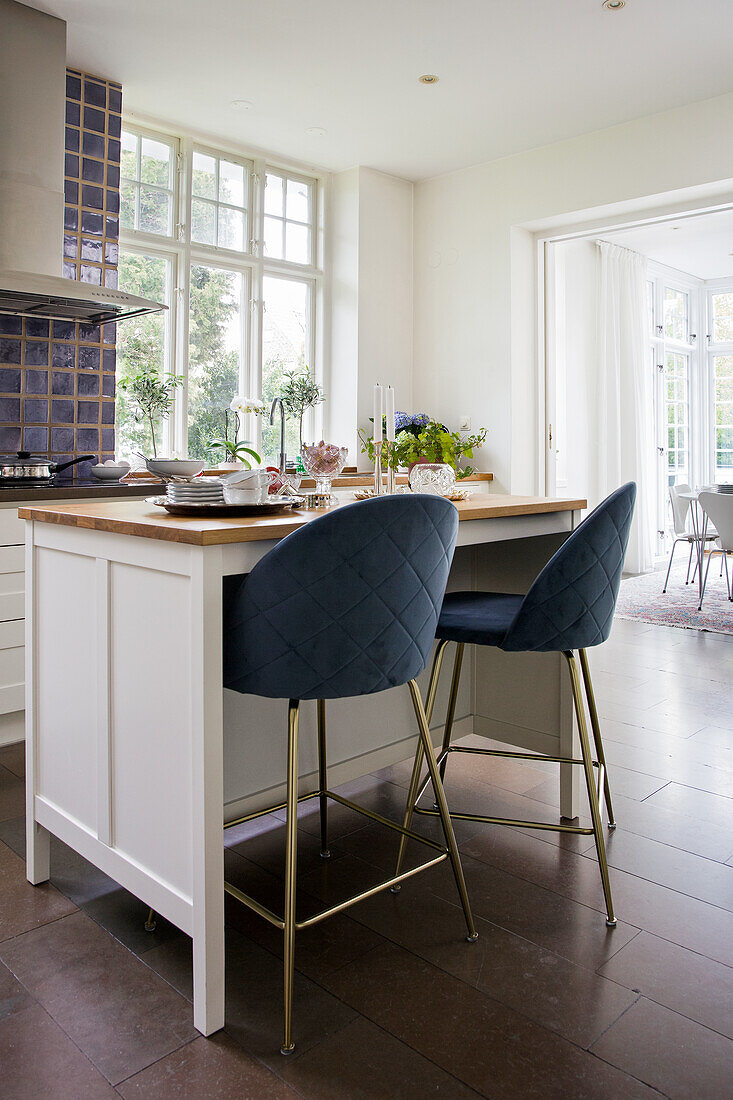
(283,456)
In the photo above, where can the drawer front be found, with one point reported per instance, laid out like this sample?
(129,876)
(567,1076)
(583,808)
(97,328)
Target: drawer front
(12,559)
(12,529)
(12,606)
(12,698)
(12,635)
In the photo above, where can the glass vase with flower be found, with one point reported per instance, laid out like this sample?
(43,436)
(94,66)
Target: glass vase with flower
(237,452)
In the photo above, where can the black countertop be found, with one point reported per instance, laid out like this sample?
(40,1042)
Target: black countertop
(76,489)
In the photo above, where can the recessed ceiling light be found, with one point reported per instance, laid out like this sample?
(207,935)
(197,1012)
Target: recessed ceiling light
(316,131)
(429,78)
(614,5)
(240,105)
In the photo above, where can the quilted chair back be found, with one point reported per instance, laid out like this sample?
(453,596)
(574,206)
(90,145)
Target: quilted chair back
(571,603)
(346,605)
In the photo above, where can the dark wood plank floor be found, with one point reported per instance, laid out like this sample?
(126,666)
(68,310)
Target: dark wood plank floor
(390,1001)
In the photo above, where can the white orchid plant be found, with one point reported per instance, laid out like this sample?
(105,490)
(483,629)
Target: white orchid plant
(235,449)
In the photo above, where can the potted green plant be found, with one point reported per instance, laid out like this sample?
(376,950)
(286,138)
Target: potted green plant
(419,438)
(151,396)
(237,452)
(300,392)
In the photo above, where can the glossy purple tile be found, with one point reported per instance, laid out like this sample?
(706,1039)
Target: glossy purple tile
(114,126)
(73,114)
(92,196)
(109,358)
(11,326)
(87,384)
(63,355)
(90,274)
(92,222)
(71,192)
(113,201)
(113,175)
(62,383)
(87,439)
(108,439)
(92,145)
(36,353)
(62,412)
(71,139)
(108,385)
(69,270)
(73,86)
(9,351)
(35,439)
(94,120)
(9,380)
(9,439)
(62,440)
(108,412)
(113,150)
(95,93)
(35,410)
(71,166)
(115,98)
(92,171)
(112,228)
(71,218)
(92,250)
(90,334)
(36,381)
(87,412)
(110,333)
(37,328)
(89,358)
(71,247)
(9,410)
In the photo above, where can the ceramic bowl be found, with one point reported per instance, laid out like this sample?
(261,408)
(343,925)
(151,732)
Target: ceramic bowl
(104,472)
(174,467)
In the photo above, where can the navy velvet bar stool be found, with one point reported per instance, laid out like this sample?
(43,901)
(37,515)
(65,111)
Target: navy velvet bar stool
(569,607)
(345,606)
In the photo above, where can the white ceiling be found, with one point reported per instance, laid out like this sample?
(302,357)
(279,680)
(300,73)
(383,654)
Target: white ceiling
(701,246)
(513,75)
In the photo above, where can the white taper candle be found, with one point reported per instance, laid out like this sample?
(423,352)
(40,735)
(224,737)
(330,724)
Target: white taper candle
(378,428)
(390,414)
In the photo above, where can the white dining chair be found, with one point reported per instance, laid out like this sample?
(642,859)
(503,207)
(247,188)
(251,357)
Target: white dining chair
(718,507)
(680,512)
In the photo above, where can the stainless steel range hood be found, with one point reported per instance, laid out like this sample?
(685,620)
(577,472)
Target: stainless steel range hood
(51,296)
(33,98)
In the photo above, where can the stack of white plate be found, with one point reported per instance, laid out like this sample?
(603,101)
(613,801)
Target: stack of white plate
(203,490)
(727,488)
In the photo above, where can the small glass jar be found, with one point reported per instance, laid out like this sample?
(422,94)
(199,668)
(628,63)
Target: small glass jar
(434,478)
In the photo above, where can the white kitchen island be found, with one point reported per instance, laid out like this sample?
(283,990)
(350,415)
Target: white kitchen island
(135,753)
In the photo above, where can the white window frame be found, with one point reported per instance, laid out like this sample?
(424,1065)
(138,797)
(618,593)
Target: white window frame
(662,277)
(712,349)
(167,139)
(183,252)
(248,165)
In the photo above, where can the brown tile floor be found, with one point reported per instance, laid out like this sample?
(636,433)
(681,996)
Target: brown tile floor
(390,1001)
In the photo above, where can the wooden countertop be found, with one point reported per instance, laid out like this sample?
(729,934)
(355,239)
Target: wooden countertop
(148,521)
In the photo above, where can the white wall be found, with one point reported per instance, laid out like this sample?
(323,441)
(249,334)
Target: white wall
(370,260)
(475,302)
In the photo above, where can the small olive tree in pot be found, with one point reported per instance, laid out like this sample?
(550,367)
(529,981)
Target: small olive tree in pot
(151,396)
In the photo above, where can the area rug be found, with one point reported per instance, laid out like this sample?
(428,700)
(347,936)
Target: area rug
(641,599)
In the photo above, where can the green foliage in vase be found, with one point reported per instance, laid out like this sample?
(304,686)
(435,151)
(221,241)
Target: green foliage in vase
(420,437)
(300,392)
(151,396)
(234,450)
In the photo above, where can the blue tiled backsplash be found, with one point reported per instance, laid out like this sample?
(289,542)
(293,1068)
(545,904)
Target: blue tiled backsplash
(57,378)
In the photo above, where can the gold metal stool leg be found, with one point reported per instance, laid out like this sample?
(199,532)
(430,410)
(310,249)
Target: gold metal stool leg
(323,778)
(596,727)
(446,822)
(595,811)
(451,713)
(291,859)
(151,923)
(417,765)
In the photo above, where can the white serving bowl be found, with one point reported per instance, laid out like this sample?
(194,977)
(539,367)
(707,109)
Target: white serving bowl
(108,472)
(174,467)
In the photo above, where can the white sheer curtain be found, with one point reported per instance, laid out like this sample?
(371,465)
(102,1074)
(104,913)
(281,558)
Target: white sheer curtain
(624,417)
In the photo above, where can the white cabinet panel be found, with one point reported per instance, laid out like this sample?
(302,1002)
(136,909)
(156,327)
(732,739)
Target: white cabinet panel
(12,559)
(12,529)
(12,606)
(66,697)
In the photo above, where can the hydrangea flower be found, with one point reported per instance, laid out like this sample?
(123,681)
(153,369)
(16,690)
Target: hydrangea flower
(402,421)
(420,420)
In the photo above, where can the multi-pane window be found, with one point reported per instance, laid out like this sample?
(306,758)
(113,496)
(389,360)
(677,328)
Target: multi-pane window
(219,201)
(142,342)
(723,399)
(216,350)
(676,314)
(288,226)
(722,317)
(147,183)
(230,243)
(677,418)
